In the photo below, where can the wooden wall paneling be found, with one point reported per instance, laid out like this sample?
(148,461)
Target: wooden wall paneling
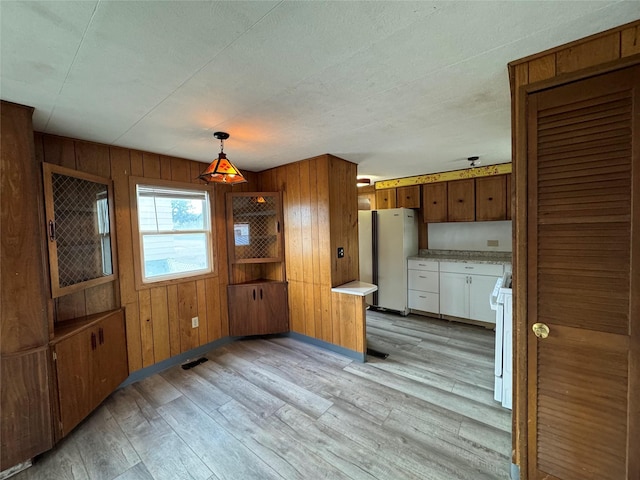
(509,195)
(146,327)
(305,222)
(100,298)
(120,171)
(187,309)
(313,294)
(24,321)
(324,248)
(25,391)
(309,315)
(134,337)
(70,306)
(165,167)
(180,170)
(219,193)
(343,204)
(203,322)
(151,165)
(630,41)
(93,158)
(542,68)
(212,300)
(423,231)
(293,237)
(296,306)
(174,319)
(597,51)
(137,168)
(160,321)
(59,151)
(520,76)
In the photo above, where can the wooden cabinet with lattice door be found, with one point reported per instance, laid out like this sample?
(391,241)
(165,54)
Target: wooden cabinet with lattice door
(254,227)
(257,304)
(79,229)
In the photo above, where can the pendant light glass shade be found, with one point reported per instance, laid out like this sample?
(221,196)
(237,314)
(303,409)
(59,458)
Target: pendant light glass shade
(221,170)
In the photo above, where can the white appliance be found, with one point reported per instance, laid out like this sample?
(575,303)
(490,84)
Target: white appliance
(387,237)
(501,301)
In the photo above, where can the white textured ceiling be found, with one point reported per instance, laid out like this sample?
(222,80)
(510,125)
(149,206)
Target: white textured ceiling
(400,88)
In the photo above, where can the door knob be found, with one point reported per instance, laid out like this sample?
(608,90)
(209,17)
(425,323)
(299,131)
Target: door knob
(541,330)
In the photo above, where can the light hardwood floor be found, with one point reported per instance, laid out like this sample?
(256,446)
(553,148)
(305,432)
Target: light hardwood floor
(277,408)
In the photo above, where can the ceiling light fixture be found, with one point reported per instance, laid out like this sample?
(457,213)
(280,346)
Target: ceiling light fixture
(363,182)
(473,161)
(221,170)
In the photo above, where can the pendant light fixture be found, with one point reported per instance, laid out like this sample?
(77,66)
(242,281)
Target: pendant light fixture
(221,170)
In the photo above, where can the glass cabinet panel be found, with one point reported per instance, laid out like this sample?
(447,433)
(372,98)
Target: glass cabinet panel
(255,225)
(79,229)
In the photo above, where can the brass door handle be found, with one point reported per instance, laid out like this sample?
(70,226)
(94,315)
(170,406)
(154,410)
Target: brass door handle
(540,330)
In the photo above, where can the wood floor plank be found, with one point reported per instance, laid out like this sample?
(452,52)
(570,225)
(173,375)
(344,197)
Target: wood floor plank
(62,463)
(218,449)
(237,387)
(109,454)
(156,390)
(356,460)
(137,472)
(203,393)
(482,413)
(301,398)
(271,442)
(164,453)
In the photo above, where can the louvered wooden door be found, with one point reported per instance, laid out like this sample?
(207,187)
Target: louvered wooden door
(584,279)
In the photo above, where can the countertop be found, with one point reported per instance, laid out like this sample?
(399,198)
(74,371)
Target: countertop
(463,256)
(356,288)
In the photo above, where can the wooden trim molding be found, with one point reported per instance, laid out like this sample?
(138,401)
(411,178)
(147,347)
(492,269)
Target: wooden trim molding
(489,170)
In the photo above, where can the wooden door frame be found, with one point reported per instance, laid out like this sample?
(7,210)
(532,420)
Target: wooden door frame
(519,111)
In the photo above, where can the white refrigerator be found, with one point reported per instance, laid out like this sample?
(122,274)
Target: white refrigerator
(387,237)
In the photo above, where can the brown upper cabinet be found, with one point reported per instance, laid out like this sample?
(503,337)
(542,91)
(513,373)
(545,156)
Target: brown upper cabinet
(491,203)
(386,198)
(461,200)
(508,190)
(408,197)
(79,216)
(434,202)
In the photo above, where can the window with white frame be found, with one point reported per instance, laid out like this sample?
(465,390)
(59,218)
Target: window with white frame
(174,225)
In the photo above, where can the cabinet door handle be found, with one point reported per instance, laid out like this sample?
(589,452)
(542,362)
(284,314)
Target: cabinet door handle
(421,276)
(101,335)
(469,268)
(260,294)
(254,293)
(93,341)
(52,230)
(278,226)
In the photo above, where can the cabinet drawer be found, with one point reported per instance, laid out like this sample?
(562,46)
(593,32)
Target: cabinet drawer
(429,265)
(423,281)
(473,268)
(425,301)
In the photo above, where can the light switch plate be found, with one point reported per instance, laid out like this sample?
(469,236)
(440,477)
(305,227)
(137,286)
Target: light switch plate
(195,322)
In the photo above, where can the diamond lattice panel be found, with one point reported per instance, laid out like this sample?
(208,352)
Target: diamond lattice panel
(255,227)
(81,229)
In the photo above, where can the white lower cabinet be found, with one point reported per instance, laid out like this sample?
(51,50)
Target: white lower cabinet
(465,289)
(424,289)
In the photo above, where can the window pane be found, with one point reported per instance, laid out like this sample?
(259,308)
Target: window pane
(171,211)
(170,254)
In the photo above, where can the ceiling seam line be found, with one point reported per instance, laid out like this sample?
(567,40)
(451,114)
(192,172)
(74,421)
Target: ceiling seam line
(73,61)
(208,62)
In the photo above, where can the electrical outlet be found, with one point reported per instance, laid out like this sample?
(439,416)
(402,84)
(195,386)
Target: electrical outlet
(340,252)
(493,243)
(195,322)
